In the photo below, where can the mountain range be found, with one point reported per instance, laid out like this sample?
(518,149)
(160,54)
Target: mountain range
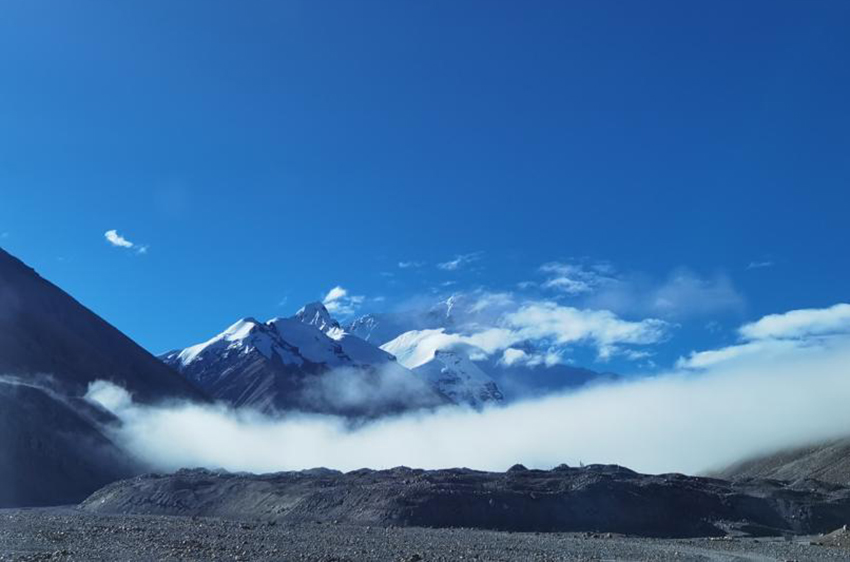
(308,362)
(56,445)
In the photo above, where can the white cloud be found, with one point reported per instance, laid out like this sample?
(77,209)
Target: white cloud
(600,328)
(116,239)
(759,264)
(335,294)
(339,302)
(119,241)
(410,264)
(460,261)
(545,323)
(778,333)
(512,356)
(800,323)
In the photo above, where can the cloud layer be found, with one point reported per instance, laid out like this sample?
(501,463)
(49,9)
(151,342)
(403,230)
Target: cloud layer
(681,421)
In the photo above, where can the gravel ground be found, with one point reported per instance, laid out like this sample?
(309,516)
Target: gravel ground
(65,534)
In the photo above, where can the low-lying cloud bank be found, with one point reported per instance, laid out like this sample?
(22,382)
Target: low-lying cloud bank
(685,421)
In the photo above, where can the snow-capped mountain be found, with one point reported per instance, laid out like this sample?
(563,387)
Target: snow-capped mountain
(450,370)
(460,379)
(306,362)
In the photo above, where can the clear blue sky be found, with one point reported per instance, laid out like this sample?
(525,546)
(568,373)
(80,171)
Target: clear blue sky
(266,152)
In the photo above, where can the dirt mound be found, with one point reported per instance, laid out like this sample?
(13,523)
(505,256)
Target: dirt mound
(597,498)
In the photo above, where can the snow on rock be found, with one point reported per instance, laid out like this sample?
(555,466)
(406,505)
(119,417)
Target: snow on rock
(315,314)
(460,379)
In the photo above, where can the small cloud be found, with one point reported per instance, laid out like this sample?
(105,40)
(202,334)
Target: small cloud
(410,264)
(576,279)
(460,261)
(119,241)
(759,264)
(513,356)
(637,355)
(283,301)
(338,301)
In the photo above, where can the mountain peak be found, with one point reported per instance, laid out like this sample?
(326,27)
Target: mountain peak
(315,314)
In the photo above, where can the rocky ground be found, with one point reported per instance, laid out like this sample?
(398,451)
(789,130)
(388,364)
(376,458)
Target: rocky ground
(596,498)
(69,534)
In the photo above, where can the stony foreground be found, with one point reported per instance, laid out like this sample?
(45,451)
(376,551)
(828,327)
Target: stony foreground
(57,534)
(597,498)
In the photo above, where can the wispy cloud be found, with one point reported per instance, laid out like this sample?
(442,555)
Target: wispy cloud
(460,261)
(576,279)
(339,301)
(759,264)
(410,264)
(119,241)
(683,294)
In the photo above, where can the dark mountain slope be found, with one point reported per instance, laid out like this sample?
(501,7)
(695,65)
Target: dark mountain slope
(43,330)
(52,450)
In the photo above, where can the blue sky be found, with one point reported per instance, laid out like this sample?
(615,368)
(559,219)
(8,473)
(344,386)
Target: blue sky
(266,152)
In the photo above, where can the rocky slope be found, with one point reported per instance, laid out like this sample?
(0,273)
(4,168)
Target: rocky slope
(44,331)
(594,498)
(829,462)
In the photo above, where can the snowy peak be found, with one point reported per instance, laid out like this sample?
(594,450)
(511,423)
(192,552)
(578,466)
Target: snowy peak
(315,314)
(460,379)
(244,335)
(309,337)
